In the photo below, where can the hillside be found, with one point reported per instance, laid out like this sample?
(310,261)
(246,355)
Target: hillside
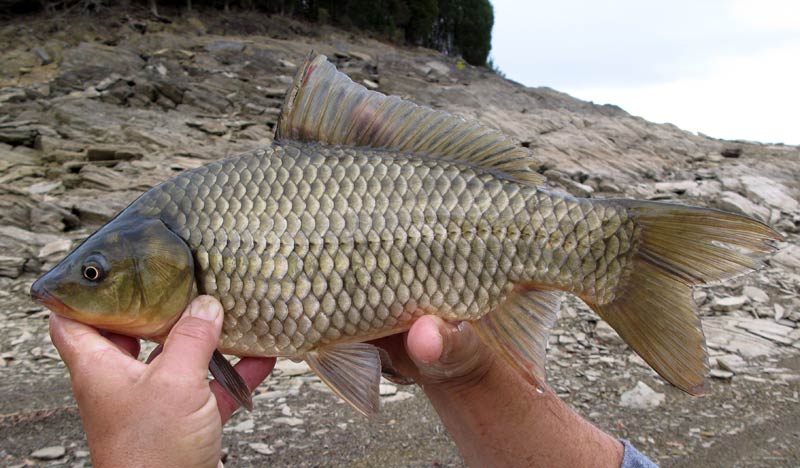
(95,110)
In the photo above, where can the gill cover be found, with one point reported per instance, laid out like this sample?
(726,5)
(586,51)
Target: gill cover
(134,276)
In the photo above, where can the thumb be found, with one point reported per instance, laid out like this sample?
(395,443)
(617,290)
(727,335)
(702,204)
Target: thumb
(452,355)
(192,340)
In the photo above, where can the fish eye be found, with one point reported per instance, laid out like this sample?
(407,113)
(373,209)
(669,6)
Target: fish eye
(94,269)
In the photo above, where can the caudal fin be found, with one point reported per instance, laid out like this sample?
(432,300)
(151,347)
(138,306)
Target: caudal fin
(678,247)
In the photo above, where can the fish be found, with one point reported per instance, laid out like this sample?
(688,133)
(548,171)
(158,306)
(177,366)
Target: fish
(369,211)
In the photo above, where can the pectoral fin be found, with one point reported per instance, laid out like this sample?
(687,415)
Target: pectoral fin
(230,380)
(353,371)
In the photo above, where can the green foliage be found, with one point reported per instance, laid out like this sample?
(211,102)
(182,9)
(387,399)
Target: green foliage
(456,27)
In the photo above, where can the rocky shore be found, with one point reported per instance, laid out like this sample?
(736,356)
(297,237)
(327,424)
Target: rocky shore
(95,110)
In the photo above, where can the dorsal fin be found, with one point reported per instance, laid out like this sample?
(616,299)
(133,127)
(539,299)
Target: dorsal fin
(326,106)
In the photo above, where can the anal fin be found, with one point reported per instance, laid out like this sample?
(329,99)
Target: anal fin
(518,329)
(230,380)
(352,371)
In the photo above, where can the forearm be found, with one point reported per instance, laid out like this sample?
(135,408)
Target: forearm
(503,421)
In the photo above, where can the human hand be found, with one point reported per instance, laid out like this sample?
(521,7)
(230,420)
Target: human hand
(496,416)
(164,413)
(435,353)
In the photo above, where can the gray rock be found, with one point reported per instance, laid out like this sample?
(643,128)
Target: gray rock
(788,257)
(288,420)
(727,304)
(679,187)
(769,192)
(721,374)
(290,368)
(438,68)
(605,333)
(245,426)
(261,448)
(49,453)
(90,63)
(399,396)
(11,267)
(113,153)
(387,389)
(755,294)
(225,46)
(641,397)
(732,201)
(43,55)
(767,328)
(731,362)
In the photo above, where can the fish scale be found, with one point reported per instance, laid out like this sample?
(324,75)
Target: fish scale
(373,241)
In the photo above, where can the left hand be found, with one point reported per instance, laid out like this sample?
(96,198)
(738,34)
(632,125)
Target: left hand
(164,413)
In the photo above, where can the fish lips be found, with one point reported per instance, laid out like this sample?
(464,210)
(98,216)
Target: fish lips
(40,294)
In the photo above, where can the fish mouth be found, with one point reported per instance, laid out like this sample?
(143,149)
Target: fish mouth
(41,295)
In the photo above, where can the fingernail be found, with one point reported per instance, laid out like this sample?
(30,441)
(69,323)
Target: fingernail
(206,309)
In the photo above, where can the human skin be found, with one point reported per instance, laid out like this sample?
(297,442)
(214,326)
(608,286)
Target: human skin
(161,414)
(496,417)
(166,414)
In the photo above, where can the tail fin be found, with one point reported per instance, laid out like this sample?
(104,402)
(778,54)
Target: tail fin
(679,246)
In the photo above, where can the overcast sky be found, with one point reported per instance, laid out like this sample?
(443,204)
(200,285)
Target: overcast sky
(726,68)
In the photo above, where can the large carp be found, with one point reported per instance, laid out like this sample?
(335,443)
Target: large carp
(369,211)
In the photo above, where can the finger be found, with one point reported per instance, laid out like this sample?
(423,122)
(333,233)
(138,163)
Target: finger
(154,354)
(444,352)
(76,342)
(253,371)
(126,344)
(401,364)
(192,340)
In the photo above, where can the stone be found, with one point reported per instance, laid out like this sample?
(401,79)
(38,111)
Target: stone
(209,126)
(49,453)
(769,192)
(225,46)
(641,397)
(755,294)
(727,304)
(732,201)
(768,329)
(11,267)
(387,389)
(43,55)
(41,188)
(90,63)
(731,362)
(437,67)
(291,368)
(370,84)
(731,152)
(288,420)
(18,133)
(679,187)
(113,153)
(55,247)
(245,426)
(788,257)
(272,395)
(721,374)
(399,396)
(606,334)
(261,448)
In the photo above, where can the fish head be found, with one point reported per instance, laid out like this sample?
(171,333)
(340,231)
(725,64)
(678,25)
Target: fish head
(132,277)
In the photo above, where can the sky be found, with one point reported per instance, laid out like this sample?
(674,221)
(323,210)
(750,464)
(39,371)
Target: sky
(725,68)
